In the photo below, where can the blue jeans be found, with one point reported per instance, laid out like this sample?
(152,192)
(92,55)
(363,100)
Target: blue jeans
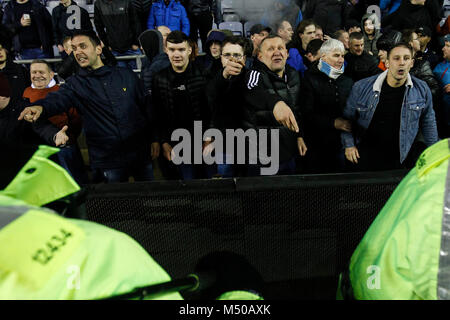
(139,173)
(70,159)
(127,63)
(33,53)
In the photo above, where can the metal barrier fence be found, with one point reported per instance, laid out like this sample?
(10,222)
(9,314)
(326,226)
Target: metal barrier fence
(297,231)
(119,58)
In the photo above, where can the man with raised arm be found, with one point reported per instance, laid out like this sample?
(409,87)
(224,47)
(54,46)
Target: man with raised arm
(114,113)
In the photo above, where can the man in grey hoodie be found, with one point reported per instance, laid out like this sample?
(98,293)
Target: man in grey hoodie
(370,27)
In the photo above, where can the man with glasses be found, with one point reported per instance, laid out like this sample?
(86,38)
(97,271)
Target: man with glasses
(225,96)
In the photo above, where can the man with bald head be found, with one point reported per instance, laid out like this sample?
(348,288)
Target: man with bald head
(164,30)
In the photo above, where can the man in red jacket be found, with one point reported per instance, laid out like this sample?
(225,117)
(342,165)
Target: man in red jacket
(42,83)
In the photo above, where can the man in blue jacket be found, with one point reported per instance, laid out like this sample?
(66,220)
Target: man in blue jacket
(379,141)
(114,113)
(170,13)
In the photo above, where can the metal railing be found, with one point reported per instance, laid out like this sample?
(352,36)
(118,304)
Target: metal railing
(119,58)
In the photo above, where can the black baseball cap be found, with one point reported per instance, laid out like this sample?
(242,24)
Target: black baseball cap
(258,28)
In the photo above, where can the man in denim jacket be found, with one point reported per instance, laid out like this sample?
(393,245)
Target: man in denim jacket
(379,141)
(170,13)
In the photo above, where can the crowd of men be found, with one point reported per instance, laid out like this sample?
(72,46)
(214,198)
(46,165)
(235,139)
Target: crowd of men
(345,91)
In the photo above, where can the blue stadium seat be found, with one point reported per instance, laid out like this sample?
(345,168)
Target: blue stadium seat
(230,17)
(234,26)
(51,5)
(232,6)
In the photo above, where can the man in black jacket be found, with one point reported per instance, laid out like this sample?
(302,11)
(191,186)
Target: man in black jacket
(31,25)
(66,17)
(324,93)
(331,15)
(360,64)
(114,113)
(17,75)
(118,27)
(273,87)
(179,98)
(225,97)
(200,14)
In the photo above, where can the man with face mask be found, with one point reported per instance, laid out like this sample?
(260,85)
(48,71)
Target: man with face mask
(115,114)
(379,141)
(324,94)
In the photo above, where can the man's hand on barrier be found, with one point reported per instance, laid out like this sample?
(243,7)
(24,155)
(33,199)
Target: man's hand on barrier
(167,151)
(61,137)
(155,149)
(301,146)
(31,114)
(284,115)
(352,154)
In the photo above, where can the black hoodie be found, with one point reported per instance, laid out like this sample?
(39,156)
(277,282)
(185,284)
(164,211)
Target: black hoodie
(151,42)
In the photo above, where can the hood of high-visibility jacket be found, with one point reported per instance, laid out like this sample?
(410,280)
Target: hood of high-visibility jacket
(46,256)
(28,185)
(405,252)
